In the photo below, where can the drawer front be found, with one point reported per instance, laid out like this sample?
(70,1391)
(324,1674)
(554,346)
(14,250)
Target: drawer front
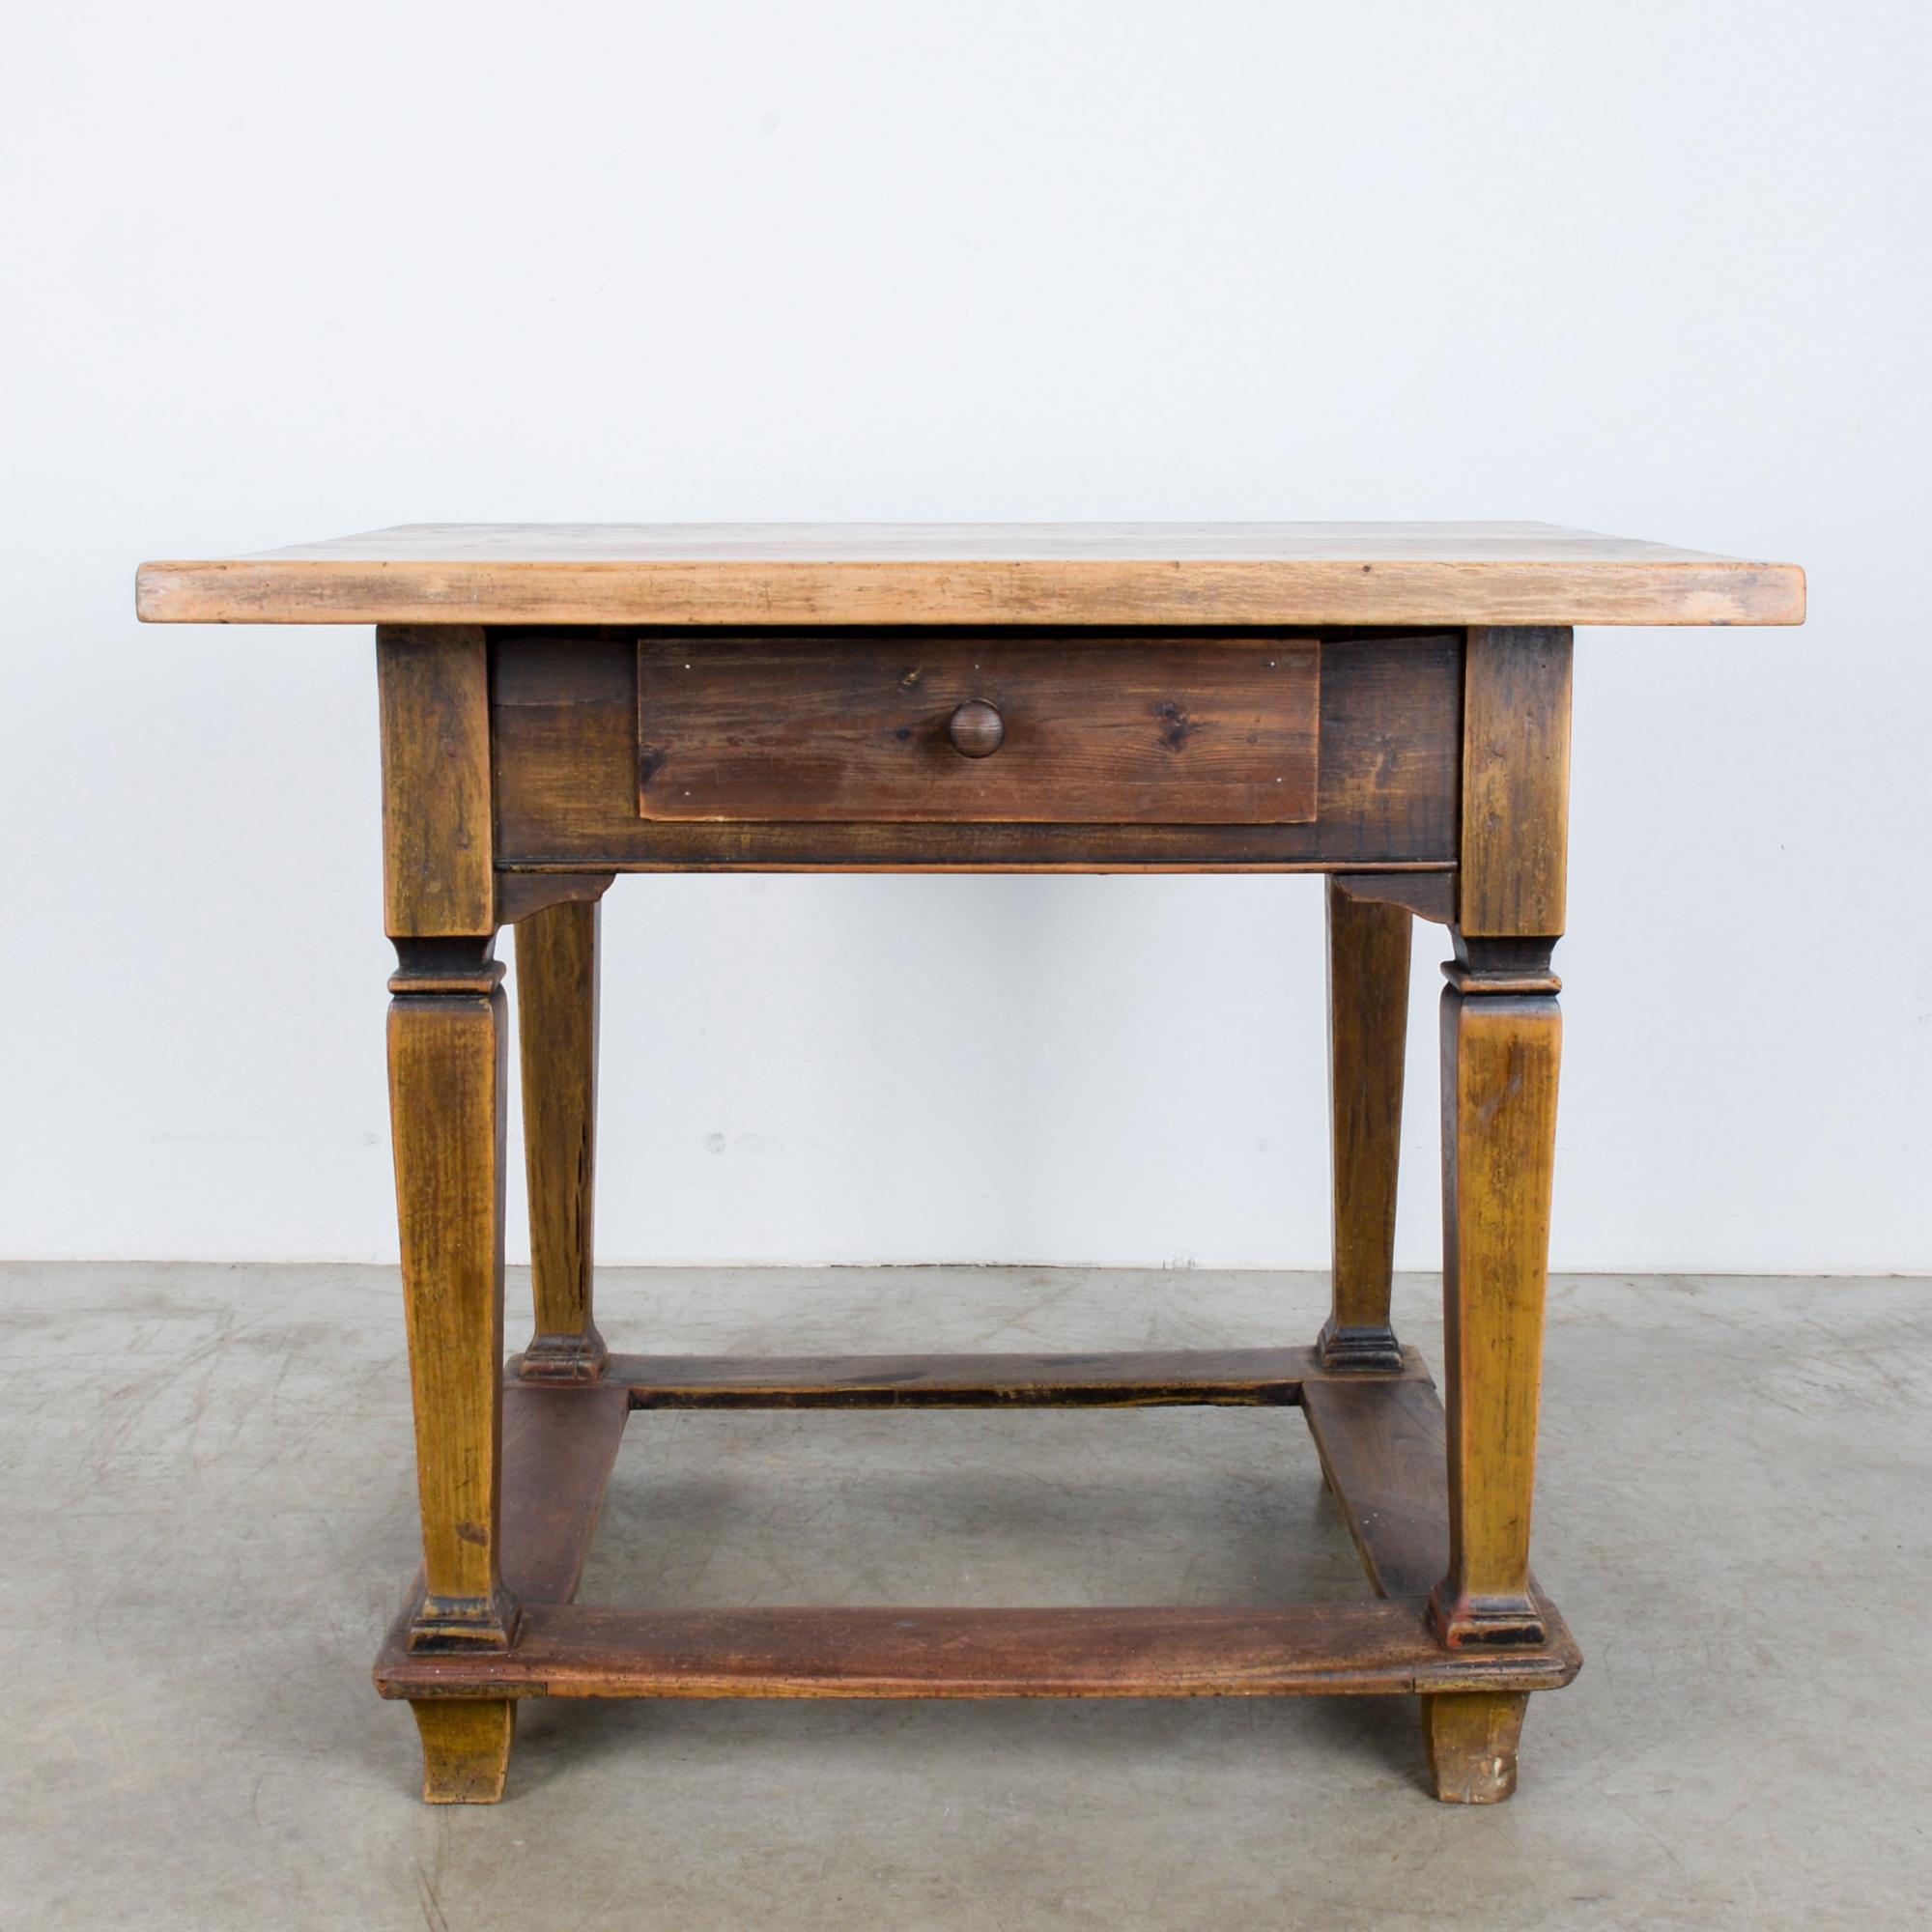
(1198,730)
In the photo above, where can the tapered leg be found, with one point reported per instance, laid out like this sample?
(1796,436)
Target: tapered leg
(1471,1740)
(1501,1034)
(465,1747)
(1368,1031)
(447,1095)
(557,1031)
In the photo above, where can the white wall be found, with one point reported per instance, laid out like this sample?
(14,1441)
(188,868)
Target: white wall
(282,273)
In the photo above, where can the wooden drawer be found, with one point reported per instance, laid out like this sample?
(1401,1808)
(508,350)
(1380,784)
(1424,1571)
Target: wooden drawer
(911,728)
(565,734)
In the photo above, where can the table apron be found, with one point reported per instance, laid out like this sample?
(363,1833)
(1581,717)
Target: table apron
(1376,779)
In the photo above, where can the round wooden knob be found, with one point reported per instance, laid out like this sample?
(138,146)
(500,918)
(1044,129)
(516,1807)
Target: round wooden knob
(977,729)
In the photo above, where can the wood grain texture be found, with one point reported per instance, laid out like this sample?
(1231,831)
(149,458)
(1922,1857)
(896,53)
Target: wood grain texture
(1378,1647)
(515,760)
(1430,895)
(1471,1739)
(1145,1378)
(1384,1443)
(521,894)
(556,1035)
(1516,782)
(558,1448)
(447,1070)
(566,750)
(976,729)
(1500,1070)
(1383,1449)
(438,876)
(1089,729)
(1186,573)
(1383,1446)
(1368,1031)
(466,1745)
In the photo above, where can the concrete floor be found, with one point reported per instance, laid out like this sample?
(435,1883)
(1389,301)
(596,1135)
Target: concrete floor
(208,1521)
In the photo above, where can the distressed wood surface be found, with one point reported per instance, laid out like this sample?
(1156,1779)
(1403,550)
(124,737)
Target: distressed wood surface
(556,1036)
(520,772)
(1188,574)
(447,1070)
(1471,1739)
(1500,1055)
(465,1745)
(1382,1448)
(1516,783)
(558,1448)
(1368,1030)
(1083,729)
(1384,1443)
(567,748)
(437,853)
(521,896)
(1146,1379)
(1379,1647)
(1430,895)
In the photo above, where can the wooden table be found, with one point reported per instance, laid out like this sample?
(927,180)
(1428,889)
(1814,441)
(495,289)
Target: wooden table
(1388,704)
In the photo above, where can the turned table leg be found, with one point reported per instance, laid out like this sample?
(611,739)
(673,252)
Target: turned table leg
(557,1030)
(1368,1031)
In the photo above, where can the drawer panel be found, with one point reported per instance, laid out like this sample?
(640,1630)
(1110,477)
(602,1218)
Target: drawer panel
(908,729)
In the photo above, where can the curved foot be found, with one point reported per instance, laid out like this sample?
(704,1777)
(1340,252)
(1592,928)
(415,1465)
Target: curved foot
(1471,1739)
(466,1745)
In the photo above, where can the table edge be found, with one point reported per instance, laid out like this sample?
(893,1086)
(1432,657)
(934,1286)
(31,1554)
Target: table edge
(1195,594)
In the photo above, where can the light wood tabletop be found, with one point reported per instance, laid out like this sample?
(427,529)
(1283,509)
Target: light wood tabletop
(817,574)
